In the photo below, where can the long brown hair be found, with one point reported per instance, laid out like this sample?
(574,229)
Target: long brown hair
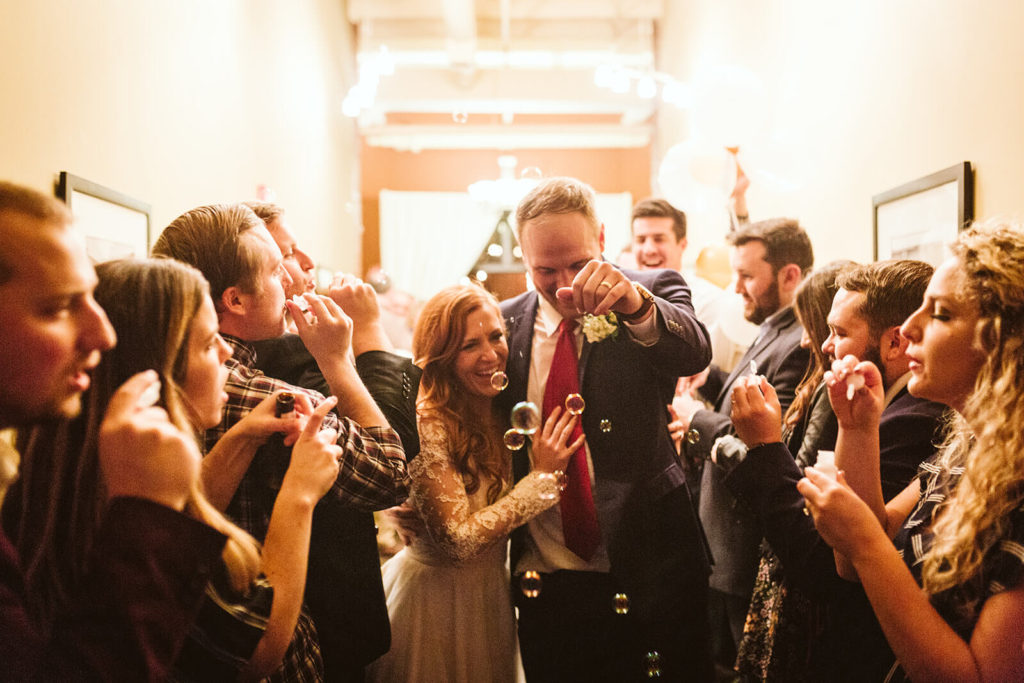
(813,302)
(55,509)
(437,339)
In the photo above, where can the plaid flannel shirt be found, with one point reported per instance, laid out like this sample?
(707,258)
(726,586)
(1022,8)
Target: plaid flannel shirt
(373,474)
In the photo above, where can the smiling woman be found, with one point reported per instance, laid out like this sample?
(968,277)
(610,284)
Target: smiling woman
(447,592)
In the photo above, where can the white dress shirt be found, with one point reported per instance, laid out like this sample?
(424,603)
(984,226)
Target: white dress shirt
(545,549)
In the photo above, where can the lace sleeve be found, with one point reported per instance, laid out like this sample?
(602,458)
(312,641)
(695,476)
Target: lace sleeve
(440,497)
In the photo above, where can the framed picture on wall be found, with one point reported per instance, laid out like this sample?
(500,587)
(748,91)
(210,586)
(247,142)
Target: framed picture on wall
(919,219)
(114,225)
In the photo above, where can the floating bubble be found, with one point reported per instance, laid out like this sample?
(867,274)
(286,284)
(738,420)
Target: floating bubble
(530,584)
(514,440)
(460,116)
(531,173)
(652,664)
(621,603)
(575,404)
(547,493)
(499,380)
(525,417)
(606,426)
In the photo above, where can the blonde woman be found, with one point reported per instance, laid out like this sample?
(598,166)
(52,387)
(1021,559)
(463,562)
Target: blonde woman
(950,593)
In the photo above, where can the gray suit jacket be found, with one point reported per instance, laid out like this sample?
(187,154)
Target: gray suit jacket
(733,533)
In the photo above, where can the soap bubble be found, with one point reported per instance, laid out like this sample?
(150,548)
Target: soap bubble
(525,417)
(621,603)
(575,404)
(530,584)
(531,173)
(652,664)
(549,493)
(514,440)
(499,380)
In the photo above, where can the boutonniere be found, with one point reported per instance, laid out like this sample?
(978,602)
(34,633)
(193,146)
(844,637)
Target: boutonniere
(600,327)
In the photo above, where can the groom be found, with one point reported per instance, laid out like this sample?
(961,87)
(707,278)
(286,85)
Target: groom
(621,560)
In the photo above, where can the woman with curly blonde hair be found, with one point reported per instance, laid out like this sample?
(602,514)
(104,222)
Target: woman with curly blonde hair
(448,592)
(959,527)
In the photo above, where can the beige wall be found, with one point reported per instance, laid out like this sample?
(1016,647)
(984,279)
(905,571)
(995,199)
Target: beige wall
(187,102)
(861,97)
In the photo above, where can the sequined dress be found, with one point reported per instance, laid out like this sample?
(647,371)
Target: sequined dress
(448,593)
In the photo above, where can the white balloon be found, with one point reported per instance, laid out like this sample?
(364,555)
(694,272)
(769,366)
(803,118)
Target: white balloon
(692,175)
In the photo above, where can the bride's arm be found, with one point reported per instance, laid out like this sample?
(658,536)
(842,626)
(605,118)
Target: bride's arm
(440,496)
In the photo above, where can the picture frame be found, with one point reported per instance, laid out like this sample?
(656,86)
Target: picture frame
(919,219)
(113,224)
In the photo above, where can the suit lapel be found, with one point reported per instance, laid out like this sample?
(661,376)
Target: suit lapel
(519,322)
(584,357)
(765,339)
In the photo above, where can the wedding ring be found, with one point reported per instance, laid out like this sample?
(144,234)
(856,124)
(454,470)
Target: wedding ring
(605,283)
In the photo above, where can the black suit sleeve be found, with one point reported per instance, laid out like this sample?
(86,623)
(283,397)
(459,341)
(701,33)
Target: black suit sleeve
(683,347)
(148,571)
(393,382)
(766,482)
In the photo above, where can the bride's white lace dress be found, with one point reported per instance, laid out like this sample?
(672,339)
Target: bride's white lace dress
(448,593)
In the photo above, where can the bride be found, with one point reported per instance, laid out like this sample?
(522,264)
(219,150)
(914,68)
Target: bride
(448,592)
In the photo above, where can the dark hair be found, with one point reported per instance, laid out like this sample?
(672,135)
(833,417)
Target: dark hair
(892,290)
(660,208)
(210,238)
(17,199)
(784,242)
(812,303)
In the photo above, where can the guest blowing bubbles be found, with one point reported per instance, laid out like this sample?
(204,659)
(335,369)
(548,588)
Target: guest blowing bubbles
(960,527)
(166,321)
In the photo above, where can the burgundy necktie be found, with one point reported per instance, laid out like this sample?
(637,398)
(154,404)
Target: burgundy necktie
(579,518)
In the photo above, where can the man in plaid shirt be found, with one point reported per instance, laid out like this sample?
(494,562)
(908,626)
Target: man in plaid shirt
(231,246)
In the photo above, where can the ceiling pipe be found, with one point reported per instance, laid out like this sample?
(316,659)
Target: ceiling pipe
(460,34)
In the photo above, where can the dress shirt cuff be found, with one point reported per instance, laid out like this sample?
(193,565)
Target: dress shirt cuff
(645,332)
(728,452)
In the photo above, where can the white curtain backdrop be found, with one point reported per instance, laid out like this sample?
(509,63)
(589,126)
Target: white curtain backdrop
(429,240)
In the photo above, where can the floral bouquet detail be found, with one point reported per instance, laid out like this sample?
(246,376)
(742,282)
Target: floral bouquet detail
(600,327)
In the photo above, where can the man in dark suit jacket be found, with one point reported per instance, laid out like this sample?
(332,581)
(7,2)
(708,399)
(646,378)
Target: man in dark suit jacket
(344,591)
(770,259)
(872,302)
(636,605)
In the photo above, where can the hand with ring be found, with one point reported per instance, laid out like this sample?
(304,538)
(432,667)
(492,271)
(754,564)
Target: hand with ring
(600,287)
